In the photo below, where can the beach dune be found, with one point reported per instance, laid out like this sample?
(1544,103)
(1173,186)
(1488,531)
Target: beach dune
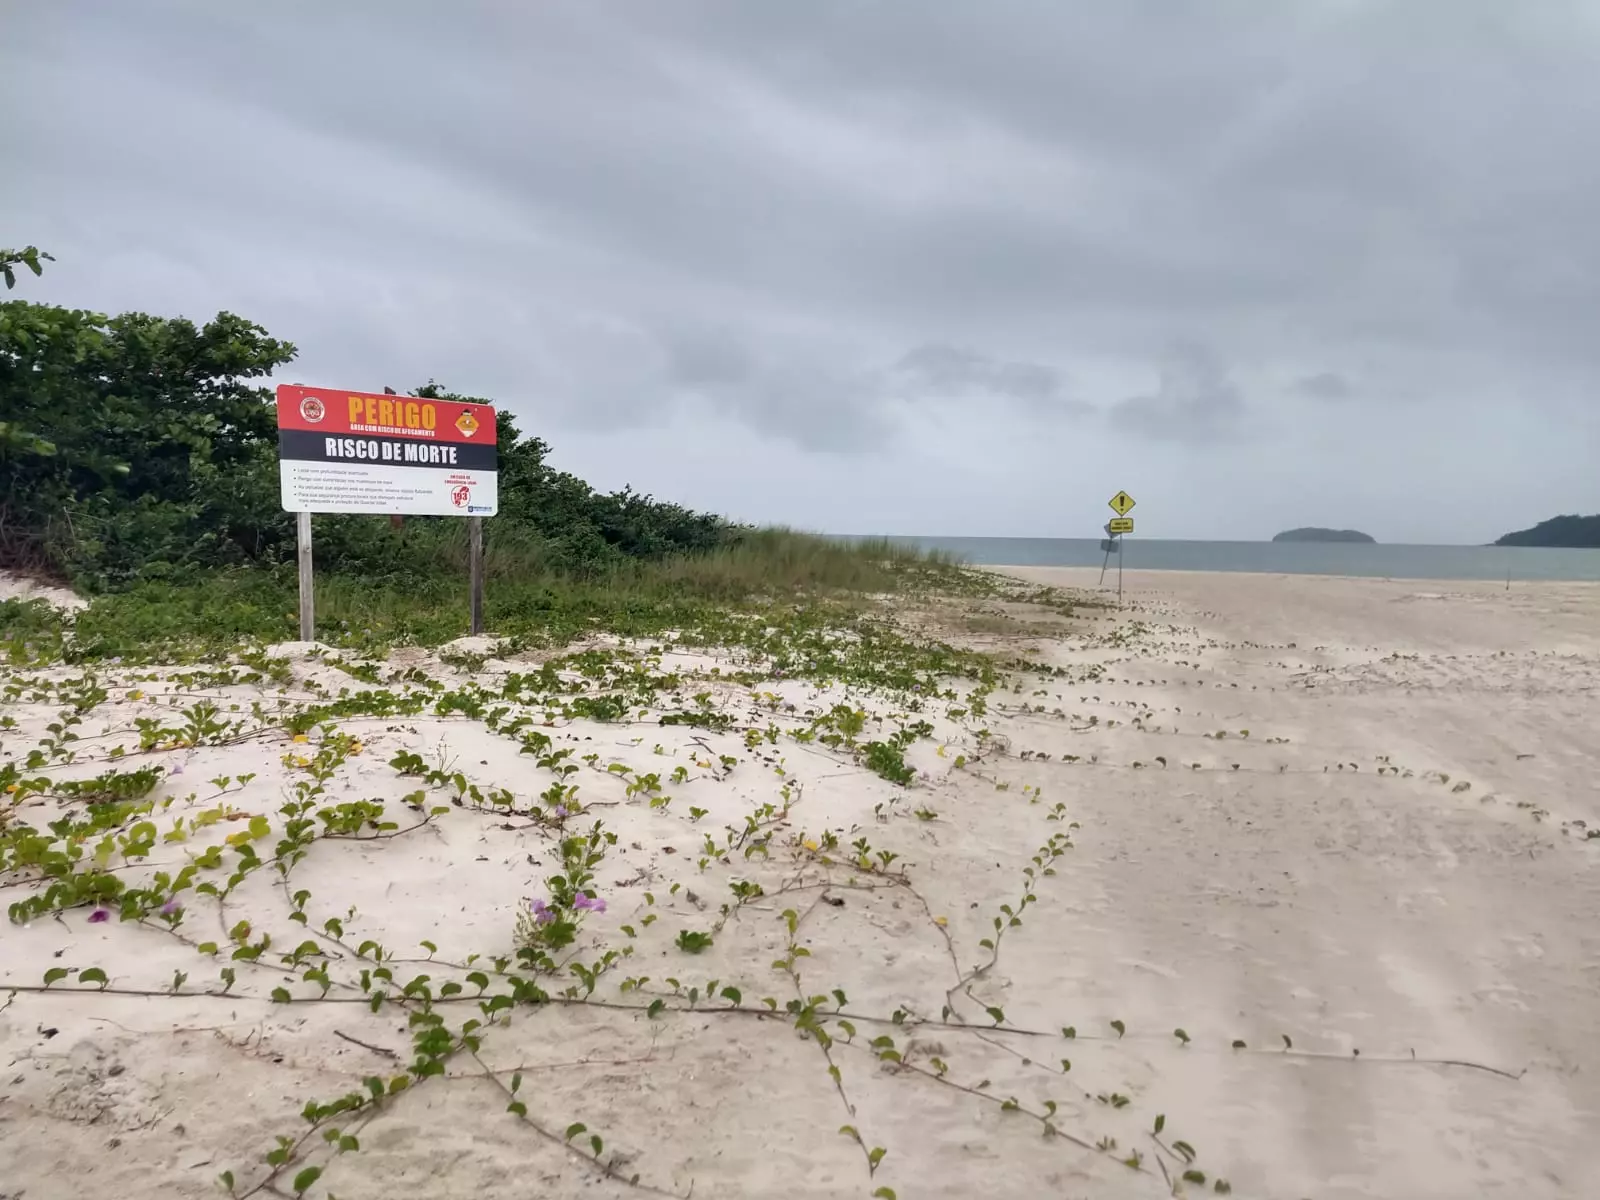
(1279,886)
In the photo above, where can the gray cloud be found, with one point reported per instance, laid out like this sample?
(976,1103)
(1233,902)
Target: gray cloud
(1195,400)
(1325,385)
(939,370)
(732,220)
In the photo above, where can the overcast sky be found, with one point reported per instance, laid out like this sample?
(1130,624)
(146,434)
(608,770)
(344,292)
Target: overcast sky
(912,266)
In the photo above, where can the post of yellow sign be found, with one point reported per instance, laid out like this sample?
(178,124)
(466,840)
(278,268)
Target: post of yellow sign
(1121,504)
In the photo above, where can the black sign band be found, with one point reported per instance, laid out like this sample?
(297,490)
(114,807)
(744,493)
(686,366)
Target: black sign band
(307,446)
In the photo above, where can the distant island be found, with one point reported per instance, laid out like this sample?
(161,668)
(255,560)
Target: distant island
(1573,533)
(1313,534)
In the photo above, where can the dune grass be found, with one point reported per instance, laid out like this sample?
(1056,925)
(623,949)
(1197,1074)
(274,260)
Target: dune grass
(526,600)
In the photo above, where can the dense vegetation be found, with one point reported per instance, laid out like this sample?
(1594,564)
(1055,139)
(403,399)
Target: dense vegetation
(138,462)
(1312,533)
(1572,532)
(136,447)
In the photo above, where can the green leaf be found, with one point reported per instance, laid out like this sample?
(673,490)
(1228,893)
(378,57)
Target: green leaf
(1119,1027)
(226,1180)
(575,1129)
(1181,1036)
(305,1179)
(732,995)
(1238,1044)
(1069,1031)
(281,995)
(348,1145)
(884,1193)
(94,975)
(55,975)
(518,1108)
(375,1086)
(1161,1122)
(516,1082)
(1194,1177)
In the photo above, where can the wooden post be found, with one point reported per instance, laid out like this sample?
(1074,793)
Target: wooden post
(475,549)
(308,620)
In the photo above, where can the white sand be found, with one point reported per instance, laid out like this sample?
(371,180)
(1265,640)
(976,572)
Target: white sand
(1286,888)
(18,587)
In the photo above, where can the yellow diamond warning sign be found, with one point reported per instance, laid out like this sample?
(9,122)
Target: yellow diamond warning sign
(1121,504)
(467,423)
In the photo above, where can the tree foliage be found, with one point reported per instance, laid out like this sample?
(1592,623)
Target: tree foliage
(130,441)
(28,256)
(140,447)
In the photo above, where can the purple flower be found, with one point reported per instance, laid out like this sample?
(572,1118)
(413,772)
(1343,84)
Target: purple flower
(561,812)
(584,900)
(171,908)
(99,915)
(542,912)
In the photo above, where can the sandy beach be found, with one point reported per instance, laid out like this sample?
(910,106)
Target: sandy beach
(1277,886)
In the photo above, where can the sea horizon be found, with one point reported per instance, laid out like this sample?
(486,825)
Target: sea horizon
(1370,560)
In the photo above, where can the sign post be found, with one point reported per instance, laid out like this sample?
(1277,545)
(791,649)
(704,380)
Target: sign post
(475,569)
(308,609)
(1121,504)
(365,452)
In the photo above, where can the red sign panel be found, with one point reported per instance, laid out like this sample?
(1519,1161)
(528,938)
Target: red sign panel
(324,410)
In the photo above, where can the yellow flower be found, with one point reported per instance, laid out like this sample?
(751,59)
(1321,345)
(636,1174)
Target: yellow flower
(136,694)
(300,737)
(356,747)
(941,922)
(810,844)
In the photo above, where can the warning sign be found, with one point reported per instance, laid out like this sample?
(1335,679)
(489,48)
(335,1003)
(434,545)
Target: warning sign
(359,452)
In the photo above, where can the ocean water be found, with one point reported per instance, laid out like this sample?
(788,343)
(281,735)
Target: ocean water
(1280,558)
